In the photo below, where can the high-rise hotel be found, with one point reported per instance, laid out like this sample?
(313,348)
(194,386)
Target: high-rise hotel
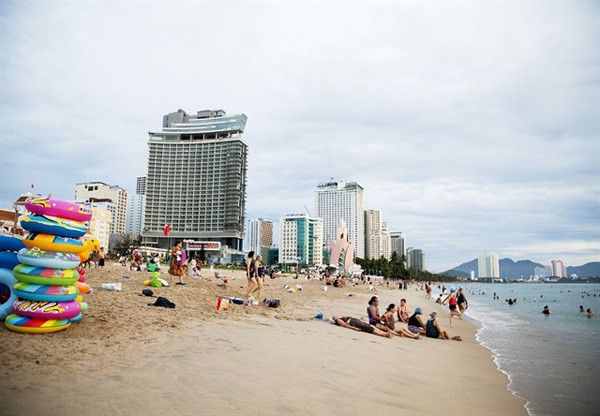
(339,199)
(196,180)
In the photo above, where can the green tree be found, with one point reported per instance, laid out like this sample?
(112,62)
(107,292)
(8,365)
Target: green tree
(126,243)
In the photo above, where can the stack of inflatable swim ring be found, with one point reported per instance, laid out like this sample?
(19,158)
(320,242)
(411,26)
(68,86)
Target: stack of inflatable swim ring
(48,300)
(9,246)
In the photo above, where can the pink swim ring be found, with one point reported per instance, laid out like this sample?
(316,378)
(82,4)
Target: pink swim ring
(56,208)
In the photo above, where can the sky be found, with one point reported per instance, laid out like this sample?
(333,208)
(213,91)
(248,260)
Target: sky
(472,126)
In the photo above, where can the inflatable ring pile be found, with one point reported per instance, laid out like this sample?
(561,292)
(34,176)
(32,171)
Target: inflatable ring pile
(46,280)
(9,245)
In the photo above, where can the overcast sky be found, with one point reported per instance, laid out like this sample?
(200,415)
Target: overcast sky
(472,126)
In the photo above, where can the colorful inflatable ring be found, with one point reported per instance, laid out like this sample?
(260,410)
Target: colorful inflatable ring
(77,318)
(8,260)
(56,208)
(37,326)
(53,225)
(51,293)
(53,259)
(7,279)
(46,310)
(45,276)
(10,242)
(83,287)
(50,242)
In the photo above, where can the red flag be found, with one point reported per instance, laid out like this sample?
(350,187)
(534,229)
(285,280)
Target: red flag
(167,229)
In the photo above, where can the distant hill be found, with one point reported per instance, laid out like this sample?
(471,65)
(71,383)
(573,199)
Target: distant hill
(587,270)
(510,269)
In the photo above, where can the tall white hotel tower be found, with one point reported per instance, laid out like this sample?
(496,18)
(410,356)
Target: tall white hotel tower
(197,179)
(488,265)
(339,199)
(260,235)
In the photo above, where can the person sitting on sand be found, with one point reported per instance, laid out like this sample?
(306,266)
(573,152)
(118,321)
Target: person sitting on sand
(373,314)
(388,319)
(433,329)
(403,314)
(358,325)
(415,325)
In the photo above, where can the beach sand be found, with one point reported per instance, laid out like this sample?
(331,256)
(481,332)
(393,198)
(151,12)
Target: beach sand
(128,358)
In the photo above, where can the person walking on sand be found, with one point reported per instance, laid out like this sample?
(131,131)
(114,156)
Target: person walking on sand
(453,304)
(461,301)
(101,258)
(358,325)
(250,274)
(175,266)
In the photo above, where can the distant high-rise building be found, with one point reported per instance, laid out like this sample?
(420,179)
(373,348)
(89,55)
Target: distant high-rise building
(135,207)
(99,226)
(558,268)
(301,240)
(260,235)
(397,243)
(386,240)
(197,180)
(415,259)
(373,229)
(338,199)
(100,192)
(488,265)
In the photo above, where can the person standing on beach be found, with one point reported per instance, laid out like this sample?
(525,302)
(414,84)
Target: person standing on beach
(175,266)
(250,274)
(258,274)
(101,258)
(453,304)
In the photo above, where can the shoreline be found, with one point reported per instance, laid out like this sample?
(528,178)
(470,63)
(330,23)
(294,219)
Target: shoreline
(126,357)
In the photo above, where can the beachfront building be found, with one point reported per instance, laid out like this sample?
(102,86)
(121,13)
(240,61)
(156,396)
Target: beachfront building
(488,265)
(135,207)
(415,259)
(99,225)
(91,192)
(260,236)
(558,269)
(386,241)
(373,234)
(397,243)
(196,181)
(301,240)
(335,200)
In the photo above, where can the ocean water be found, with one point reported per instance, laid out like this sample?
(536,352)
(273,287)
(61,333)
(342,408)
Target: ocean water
(552,361)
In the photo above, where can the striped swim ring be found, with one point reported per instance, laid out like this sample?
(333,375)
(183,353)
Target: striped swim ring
(45,276)
(46,310)
(53,259)
(36,326)
(52,293)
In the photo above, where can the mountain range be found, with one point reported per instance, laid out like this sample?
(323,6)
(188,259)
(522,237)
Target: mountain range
(510,269)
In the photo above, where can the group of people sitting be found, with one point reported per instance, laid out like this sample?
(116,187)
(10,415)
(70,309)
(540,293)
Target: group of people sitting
(385,325)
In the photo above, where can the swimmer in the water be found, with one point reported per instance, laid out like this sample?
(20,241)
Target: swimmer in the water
(546,310)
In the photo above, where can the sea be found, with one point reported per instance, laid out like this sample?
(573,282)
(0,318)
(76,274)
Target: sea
(552,361)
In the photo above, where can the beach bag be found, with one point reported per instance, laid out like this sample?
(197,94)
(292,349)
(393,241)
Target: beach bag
(164,302)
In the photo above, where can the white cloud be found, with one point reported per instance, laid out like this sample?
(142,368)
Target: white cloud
(472,126)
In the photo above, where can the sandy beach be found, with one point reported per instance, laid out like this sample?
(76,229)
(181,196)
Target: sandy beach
(128,358)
